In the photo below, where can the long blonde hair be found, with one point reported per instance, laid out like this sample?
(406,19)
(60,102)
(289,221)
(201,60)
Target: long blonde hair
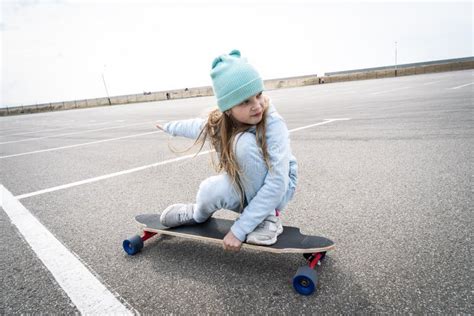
(221,130)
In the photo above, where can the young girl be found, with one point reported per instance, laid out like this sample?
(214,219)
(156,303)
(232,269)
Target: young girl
(253,146)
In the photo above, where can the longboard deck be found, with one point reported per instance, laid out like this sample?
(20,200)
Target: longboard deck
(215,229)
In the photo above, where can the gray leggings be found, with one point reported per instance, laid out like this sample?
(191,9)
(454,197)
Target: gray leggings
(217,192)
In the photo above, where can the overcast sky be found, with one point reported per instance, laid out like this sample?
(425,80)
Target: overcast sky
(58,50)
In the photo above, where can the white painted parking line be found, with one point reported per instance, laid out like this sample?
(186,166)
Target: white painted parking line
(52,129)
(111,175)
(397,89)
(77,145)
(317,124)
(86,292)
(464,85)
(108,176)
(432,82)
(75,133)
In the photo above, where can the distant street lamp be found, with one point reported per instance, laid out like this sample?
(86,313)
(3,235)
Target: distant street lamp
(395,59)
(105,85)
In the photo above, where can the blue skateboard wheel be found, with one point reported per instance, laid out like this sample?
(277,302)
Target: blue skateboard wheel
(133,245)
(305,280)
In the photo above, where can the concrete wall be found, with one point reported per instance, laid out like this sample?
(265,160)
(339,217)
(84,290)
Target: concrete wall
(280,83)
(429,67)
(385,73)
(116,100)
(401,66)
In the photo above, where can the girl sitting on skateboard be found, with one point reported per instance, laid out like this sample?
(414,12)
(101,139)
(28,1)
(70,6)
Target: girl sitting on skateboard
(253,146)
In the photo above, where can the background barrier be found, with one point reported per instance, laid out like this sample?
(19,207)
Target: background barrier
(272,84)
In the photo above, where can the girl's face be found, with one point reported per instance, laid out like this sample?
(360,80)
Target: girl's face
(250,111)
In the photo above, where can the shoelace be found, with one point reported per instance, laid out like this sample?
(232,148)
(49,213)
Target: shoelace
(268,225)
(261,225)
(185,215)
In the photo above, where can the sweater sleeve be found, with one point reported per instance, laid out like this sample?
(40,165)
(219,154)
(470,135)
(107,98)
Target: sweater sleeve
(275,184)
(185,128)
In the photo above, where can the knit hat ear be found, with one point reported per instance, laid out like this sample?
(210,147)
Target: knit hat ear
(235,52)
(217,60)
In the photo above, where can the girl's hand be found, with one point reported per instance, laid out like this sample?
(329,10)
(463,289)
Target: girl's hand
(159,127)
(231,243)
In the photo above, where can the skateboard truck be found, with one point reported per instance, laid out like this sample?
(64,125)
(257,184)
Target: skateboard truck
(314,258)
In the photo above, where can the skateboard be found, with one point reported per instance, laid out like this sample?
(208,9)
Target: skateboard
(313,248)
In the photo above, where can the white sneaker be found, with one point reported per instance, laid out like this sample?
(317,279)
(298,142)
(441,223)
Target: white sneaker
(177,215)
(267,232)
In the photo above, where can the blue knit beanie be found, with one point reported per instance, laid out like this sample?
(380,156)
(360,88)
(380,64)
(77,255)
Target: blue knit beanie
(234,80)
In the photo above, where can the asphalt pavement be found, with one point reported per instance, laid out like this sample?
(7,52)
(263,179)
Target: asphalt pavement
(392,186)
